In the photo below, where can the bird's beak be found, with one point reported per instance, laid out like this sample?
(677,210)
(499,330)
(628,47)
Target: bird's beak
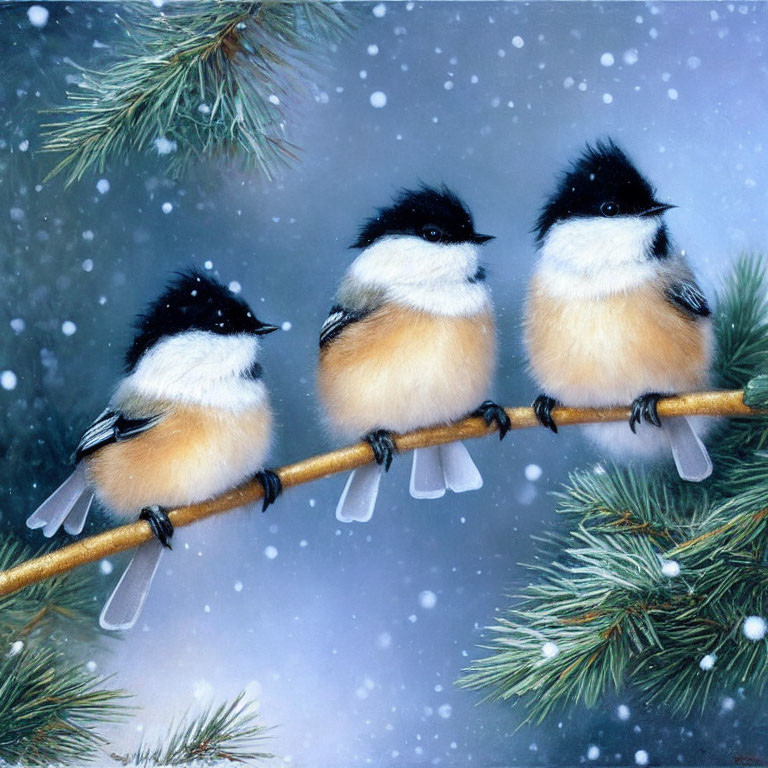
(657,209)
(480,239)
(264,329)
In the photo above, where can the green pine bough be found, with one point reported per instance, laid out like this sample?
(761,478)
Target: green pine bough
(50,706)
(652,582)
(227,734)
(202,80)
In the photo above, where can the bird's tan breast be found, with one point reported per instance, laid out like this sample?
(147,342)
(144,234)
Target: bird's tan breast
(610,349)
(400,369)
(193,454)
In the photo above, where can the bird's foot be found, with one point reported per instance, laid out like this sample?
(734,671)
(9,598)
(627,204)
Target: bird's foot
(383,447)
(492,413)
(542,407)
(644,408)
(159,522)
(272,486)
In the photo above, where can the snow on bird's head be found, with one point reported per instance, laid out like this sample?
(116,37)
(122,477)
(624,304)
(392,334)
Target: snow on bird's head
(434,214)
(602,182)
(192,301)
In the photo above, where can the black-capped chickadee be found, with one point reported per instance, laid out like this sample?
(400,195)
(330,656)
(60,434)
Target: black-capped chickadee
(410,343)
(190,420)
(614,314)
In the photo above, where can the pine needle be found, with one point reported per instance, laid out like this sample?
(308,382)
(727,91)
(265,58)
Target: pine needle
(198,80)
(228,733)
(49,711)
(611,608)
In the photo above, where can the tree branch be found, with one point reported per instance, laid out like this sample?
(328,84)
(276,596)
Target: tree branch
(124,537)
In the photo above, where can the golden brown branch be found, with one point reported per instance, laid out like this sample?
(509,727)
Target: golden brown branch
(124,537)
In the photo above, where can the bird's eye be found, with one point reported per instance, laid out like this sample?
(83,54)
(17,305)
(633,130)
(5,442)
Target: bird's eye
(609,209)
(433,234)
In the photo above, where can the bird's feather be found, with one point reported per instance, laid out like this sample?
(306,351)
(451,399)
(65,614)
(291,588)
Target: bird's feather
(112,427)
(359,496)
(71,496)
(128,597)
(338,319)
(687,296)
(691,458)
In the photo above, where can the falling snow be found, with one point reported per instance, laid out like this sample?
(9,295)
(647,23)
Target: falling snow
(549,650)
(533,472)
(463,93)
(755,627)
(164,146)
(8,380)
(622,712)
(378,99)
(37,15)
(670,568)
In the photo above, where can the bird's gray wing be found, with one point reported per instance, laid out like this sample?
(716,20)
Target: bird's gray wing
(338,319)
(112,426)
(686,296)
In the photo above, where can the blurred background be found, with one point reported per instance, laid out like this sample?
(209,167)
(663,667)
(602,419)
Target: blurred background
(351,637)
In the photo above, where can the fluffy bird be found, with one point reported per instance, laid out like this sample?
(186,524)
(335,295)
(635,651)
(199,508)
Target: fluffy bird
(614,314)
(410,343)
(189,420)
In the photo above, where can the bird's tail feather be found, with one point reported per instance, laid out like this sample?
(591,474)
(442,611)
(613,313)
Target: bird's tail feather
(128,597)
(359,496)
(427,478)
(439,467)
(74,522)
(690,455)
(65,499)
(461,473)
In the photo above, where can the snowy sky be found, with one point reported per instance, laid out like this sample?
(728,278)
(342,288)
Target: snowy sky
(352,637)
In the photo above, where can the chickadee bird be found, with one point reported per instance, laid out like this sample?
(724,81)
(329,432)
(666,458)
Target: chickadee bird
(614,314)
(410,343)
(190,420)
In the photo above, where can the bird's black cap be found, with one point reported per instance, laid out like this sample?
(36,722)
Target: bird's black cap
(192,301)
(434,214)
(603,181)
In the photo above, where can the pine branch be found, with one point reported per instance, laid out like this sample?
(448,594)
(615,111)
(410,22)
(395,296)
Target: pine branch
(653,581)
(49,711)
(126,537)
(50,708)
(63,599)
(229,733)
(199,80)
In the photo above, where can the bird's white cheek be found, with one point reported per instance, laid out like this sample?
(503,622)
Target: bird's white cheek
(591,244)
(594,257)
(411,260)
(198,367)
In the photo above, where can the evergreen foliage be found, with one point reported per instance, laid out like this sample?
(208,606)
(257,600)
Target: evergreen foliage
(611,608)
(227,733)
(207,79)
(50,706)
